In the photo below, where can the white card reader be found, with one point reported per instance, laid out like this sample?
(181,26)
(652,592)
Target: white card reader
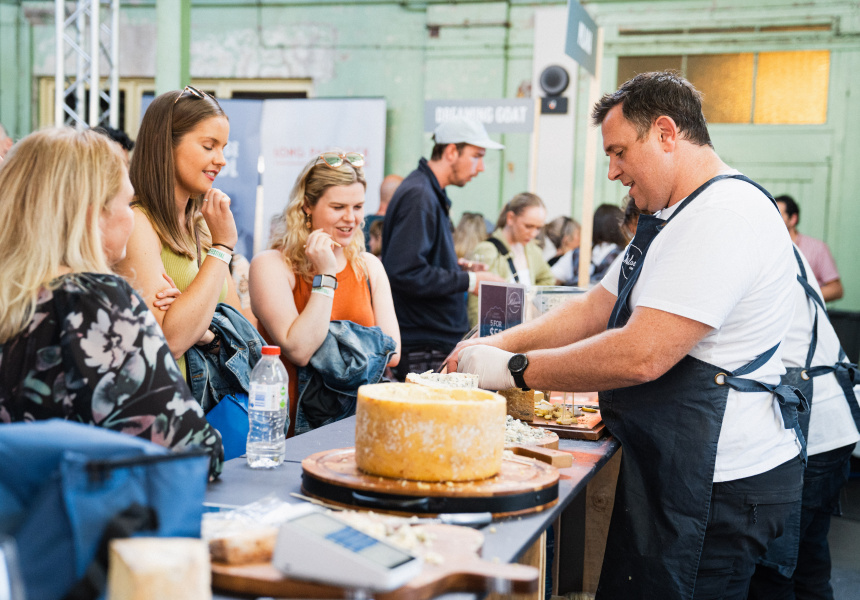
(318,546)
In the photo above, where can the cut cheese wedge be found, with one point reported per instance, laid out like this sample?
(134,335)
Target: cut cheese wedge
(159,569)
(409,431)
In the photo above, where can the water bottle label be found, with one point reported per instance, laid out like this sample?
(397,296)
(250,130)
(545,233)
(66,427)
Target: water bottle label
(268,397)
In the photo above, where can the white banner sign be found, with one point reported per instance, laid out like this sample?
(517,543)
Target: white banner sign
(294,131)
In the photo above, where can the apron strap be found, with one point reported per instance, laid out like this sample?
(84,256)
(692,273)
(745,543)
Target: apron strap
(791,401)
(757,362)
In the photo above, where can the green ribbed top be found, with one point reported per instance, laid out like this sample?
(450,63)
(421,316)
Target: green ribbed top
(183,270)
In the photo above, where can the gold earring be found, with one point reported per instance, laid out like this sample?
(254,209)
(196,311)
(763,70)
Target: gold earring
(308,221)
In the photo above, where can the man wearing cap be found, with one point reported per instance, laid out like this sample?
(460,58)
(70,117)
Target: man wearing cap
(427,280)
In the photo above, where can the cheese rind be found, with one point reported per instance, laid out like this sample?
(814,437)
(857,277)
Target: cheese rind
(408,431)
(159,569)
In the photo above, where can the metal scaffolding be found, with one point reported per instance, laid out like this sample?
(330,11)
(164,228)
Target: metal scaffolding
(86,32)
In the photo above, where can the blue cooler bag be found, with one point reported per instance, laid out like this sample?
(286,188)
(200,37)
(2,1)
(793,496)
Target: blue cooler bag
(64,485)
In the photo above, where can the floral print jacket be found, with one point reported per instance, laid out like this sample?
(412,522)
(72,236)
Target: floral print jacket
(95,354)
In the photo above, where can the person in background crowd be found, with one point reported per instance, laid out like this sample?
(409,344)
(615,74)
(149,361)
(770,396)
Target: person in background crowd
(183,227)
(631,219)
(683,340)
(239,270)
(375,241)
(816,251)
(120,137)
(76,341)
(511,252)
(427,279)
(797,564)
(386,190)
(315,271)
(471,230)
(563,232)
(607,243)
(5,142)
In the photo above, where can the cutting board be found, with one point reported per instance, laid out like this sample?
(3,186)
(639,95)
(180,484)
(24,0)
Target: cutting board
(461,570)
(589,427)
(522,486)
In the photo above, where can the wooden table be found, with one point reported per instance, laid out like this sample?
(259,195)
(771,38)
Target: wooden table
(511,539)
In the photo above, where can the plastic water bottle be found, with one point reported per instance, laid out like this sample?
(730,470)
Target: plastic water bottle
(267,411)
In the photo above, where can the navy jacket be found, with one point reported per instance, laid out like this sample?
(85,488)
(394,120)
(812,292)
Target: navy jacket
(427,285)
(351,356)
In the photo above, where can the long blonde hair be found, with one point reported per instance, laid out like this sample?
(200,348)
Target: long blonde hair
(289,231)
(54,185)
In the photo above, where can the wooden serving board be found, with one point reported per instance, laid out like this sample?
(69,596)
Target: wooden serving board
(591,425)
(522,486)
(461,570)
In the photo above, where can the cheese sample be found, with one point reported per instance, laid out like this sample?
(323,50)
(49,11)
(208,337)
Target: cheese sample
(466,381)
(159,569)
(408,431)
(240,548)
(521,405)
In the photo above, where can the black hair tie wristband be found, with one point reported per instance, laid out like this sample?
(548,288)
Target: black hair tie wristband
(223,246)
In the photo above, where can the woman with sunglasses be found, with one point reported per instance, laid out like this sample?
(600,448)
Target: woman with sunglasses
(183,227)
(76,341)
(316,270)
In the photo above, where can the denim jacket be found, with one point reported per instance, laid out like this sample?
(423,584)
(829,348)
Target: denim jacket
(212,376)
(350,356)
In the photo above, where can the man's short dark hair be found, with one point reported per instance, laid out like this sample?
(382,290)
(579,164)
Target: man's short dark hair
(651,95)
(439,149)
(117,135)
(791,207)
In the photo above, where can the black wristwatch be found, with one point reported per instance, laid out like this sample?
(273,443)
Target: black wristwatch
(329,281)
(517,366)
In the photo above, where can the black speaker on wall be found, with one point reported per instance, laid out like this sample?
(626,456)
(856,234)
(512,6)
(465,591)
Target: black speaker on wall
(553,81)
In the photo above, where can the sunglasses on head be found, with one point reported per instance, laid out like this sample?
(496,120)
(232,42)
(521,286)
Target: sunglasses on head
(191,90)
(334,160)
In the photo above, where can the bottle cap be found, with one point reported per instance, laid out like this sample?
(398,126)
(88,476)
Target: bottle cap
(271,350)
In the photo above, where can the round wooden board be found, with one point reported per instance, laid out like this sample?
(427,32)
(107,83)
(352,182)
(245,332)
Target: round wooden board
(523,485)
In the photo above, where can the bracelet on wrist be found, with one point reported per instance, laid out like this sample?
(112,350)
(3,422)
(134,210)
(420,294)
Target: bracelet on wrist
(223,246)
(220,255)
(325,291)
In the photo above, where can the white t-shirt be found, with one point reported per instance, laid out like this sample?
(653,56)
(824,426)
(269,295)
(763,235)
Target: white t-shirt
(831,425)
(518,255)
(726,261)
(563,268)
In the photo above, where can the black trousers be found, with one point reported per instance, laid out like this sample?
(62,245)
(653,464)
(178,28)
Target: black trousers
(745,515)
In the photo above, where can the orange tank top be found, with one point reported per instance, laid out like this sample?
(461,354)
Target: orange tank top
(351,303)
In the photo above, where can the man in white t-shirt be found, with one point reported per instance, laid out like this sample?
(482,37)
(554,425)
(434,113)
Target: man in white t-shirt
(689,368)
(797,564)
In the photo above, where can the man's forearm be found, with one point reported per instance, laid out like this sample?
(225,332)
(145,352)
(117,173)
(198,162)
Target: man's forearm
(577,319)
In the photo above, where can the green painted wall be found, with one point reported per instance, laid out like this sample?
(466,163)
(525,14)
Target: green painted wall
(408,52)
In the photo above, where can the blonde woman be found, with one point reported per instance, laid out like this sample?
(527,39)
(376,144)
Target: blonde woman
(316,270)
(183,227)
(471,230)
(511,252)
(76,342)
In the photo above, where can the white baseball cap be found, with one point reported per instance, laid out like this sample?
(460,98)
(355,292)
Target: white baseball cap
(459,129)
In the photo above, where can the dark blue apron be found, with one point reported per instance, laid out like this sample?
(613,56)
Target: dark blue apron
(669,429)
(782,552)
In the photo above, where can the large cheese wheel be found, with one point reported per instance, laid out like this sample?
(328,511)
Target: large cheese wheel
(409,431)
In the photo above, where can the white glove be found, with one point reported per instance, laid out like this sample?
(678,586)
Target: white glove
(490,364)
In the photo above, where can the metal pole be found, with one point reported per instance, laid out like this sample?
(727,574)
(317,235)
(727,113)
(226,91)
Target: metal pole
(95,63)
(81,75)
(114,65)
(59,60)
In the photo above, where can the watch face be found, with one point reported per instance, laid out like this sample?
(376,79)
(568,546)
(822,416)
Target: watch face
(518,363)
